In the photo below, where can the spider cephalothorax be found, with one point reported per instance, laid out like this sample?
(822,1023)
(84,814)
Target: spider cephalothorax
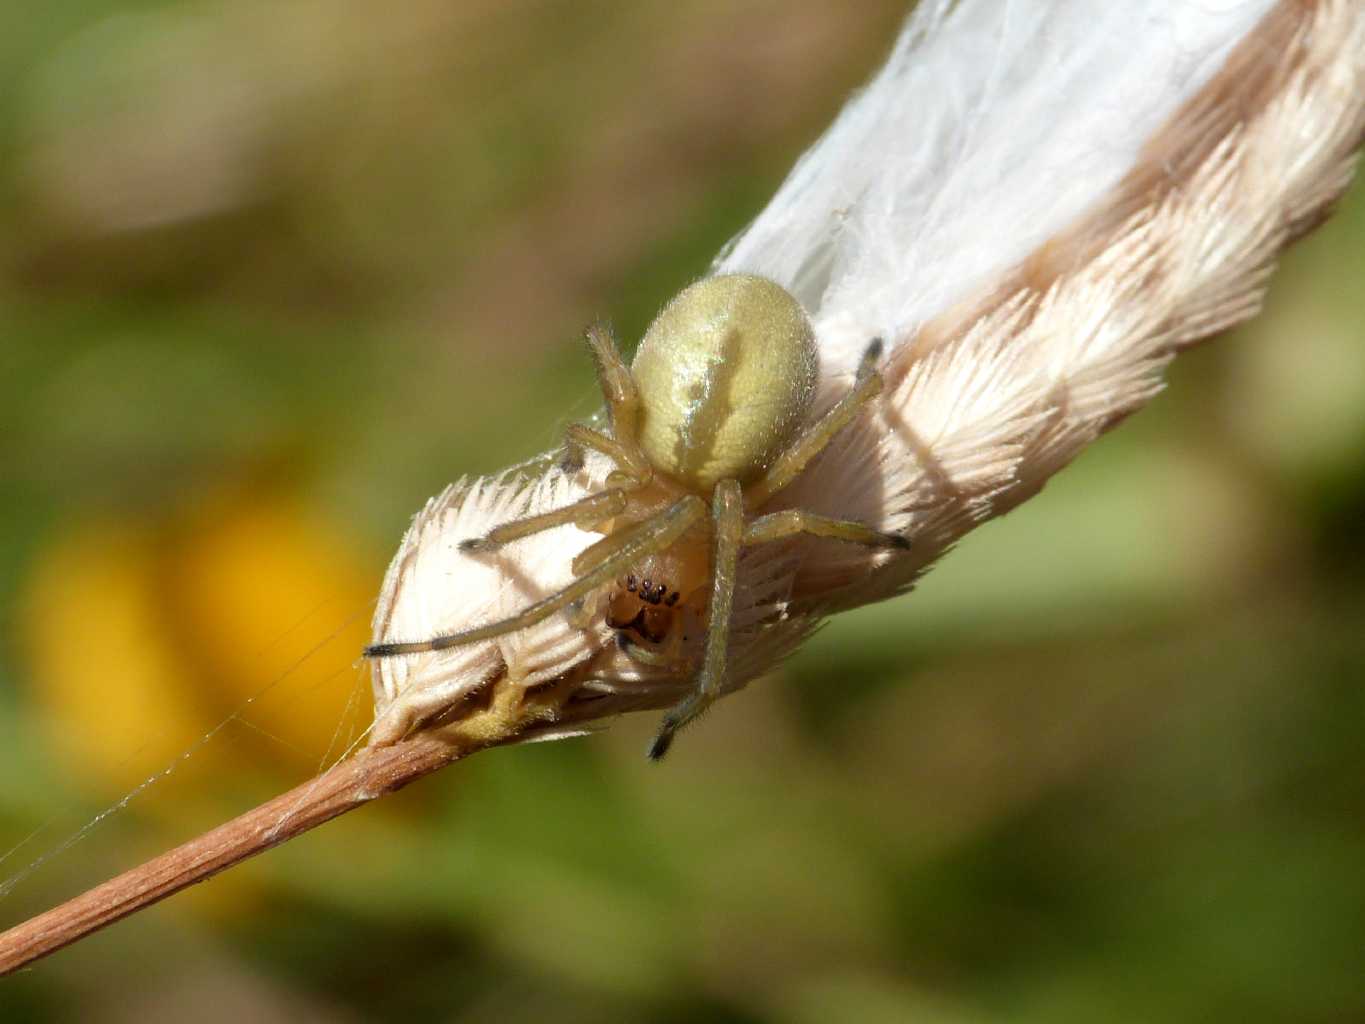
(709,422)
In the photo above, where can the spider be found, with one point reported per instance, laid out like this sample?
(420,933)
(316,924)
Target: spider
(705,427)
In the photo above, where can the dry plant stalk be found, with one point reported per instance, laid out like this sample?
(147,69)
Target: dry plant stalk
(369,775)
(1117,216)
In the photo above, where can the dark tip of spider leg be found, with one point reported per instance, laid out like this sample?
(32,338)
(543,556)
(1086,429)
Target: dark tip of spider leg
(571,461)
(390,650)
(673,721)
(899,541)
(662,741)
(871,355)
(475,545)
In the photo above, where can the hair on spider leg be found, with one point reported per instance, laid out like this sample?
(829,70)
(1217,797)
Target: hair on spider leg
(690,476)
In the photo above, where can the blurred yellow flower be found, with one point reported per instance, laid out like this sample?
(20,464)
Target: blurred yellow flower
(231,632)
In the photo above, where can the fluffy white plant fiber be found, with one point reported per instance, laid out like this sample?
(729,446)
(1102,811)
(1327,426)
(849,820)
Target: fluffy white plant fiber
(992,126)
(1035,206)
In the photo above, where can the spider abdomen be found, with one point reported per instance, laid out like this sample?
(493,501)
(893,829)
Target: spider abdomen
(726,375)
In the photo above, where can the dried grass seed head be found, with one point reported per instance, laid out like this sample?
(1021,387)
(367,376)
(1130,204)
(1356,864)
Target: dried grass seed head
(716,412)
(1019,327)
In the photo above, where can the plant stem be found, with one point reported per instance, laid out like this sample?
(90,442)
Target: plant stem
(374,772)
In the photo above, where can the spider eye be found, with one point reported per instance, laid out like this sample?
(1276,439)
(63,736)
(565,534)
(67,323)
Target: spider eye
(726,375)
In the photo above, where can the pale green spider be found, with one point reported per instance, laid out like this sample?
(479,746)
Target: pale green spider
(713,410)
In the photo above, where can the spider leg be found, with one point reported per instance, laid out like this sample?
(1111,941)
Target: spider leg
(571,458)
(794,521)
(618,386)
(599,551)
(579,614)
(577,437)
(623,402)
(812,441)
(582,513)
(728,513)
(654,534)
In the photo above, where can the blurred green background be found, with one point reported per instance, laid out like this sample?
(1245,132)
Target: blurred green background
(272,273)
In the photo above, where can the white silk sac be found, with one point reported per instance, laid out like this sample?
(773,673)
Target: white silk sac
(1035,206)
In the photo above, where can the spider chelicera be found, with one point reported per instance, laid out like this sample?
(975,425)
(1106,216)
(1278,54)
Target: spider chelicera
(706,426)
